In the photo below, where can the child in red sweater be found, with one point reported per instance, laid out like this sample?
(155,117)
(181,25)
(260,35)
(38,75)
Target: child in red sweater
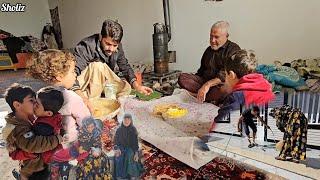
(247,87)
(49,121)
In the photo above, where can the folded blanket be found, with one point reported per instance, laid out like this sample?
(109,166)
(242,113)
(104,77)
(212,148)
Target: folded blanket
(282,75)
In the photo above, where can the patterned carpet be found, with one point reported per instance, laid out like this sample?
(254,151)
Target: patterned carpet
(159,165)
(162,166)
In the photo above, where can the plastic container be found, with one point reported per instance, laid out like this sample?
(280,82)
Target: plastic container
(109,91)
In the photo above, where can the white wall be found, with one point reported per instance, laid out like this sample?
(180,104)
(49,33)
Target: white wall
(30,22)
(82,18)
(276,30)
(53,3)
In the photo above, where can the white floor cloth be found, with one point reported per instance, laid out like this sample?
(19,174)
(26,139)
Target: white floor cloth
(175,137)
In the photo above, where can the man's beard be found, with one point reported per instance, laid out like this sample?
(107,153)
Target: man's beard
(106,52)
(109,53)
(215,47)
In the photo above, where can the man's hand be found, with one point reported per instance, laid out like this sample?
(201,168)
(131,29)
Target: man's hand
(85,100)
(202,93)
(145,90)
(142,89)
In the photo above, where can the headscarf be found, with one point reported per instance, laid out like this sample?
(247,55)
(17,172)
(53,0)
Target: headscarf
(97,126)
(127,136)
(88,140)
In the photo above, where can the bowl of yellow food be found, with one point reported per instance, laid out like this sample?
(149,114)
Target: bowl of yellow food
(169,111)
(105,108)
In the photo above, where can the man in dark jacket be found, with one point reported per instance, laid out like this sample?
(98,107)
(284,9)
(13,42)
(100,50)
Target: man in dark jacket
(106,47)
(203,84)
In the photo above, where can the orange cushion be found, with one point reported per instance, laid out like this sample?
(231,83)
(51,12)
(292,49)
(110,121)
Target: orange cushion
(22,59)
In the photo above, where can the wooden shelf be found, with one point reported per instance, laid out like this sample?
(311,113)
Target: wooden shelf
(6,63)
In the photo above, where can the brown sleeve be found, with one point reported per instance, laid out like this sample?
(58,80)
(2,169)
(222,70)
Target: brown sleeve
(205,57)
(36,144)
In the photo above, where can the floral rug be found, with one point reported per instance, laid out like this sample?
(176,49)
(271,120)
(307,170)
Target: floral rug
(108,133)
(162,166)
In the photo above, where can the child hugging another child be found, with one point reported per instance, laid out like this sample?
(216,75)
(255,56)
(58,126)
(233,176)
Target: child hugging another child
(49,122)
(26,140)
(57,68)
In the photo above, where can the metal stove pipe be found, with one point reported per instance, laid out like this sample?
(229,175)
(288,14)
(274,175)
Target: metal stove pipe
(166,14)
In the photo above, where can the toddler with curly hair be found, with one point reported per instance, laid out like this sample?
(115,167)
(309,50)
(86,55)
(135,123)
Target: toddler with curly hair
(57,68)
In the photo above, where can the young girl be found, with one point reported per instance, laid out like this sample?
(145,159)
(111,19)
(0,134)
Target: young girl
(93,164)
(57,68)
(127,163)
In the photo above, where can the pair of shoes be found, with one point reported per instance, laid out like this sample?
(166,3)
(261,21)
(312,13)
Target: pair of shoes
(16,174)
(280,158)
(250,145)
